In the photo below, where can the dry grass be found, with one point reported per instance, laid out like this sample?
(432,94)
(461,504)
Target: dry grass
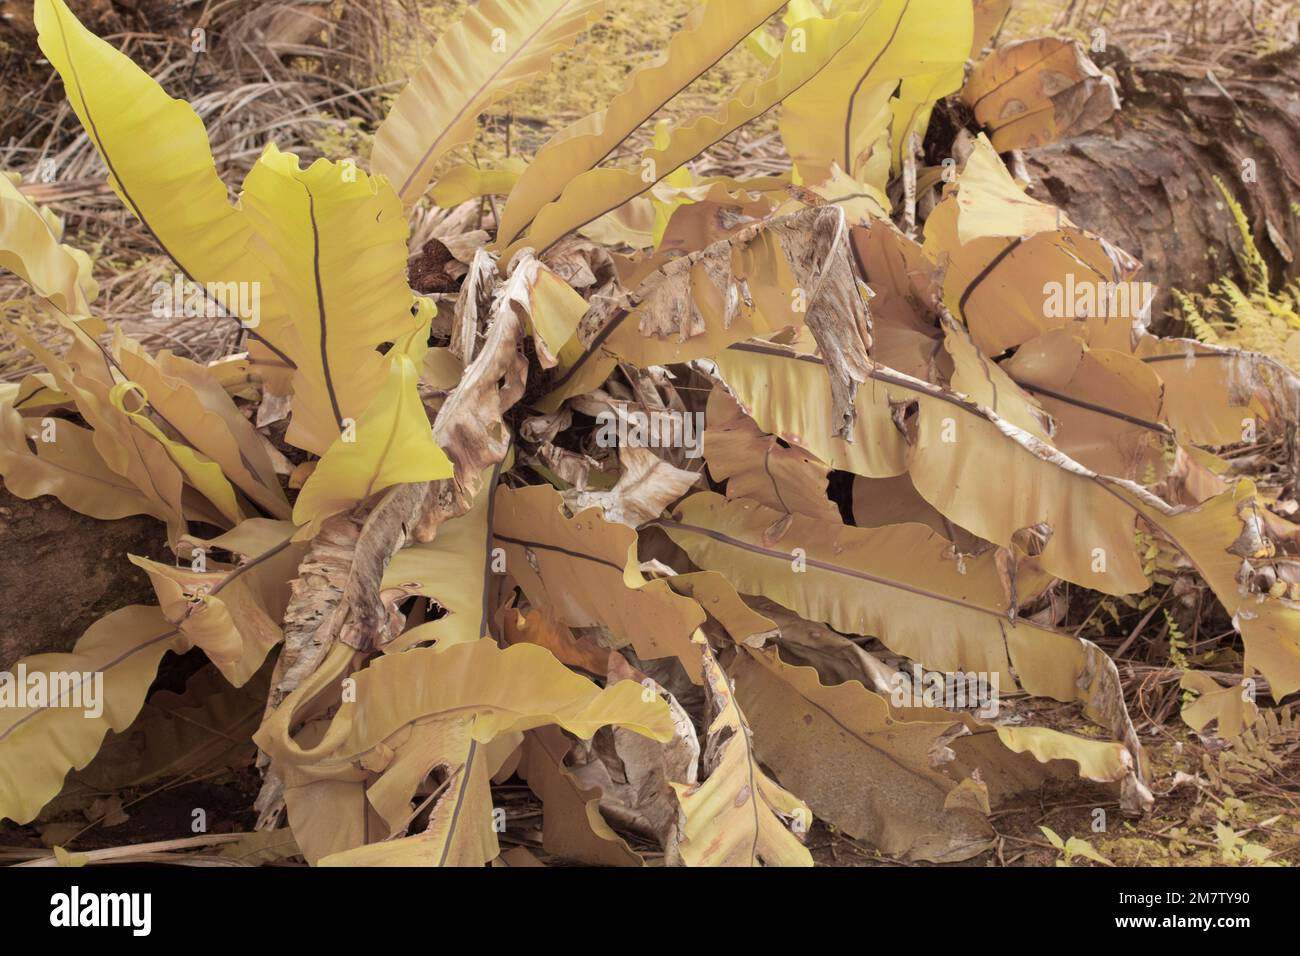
(1193,34)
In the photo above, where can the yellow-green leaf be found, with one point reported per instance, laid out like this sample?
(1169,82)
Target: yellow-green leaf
(840,117)
(158,160)
(495,47)
(590,195)
(722,24)
(30,248)
(98,687)
(467,182)
(66,466)
(391,444)
(335,241)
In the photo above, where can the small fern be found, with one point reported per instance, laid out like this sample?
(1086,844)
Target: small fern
(1177,643)
(1253,318)
(1259,753)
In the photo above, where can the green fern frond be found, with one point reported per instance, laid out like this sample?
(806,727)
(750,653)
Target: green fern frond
(1250,316)
(1195,320)
(1177,642)
(1256,267)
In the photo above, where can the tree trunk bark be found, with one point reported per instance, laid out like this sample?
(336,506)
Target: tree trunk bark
(61,571)
(1146,180)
